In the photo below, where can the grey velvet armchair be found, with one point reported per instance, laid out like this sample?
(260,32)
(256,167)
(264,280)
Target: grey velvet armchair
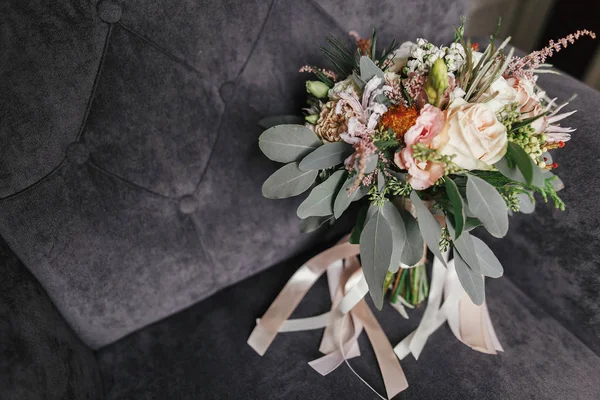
(136,249)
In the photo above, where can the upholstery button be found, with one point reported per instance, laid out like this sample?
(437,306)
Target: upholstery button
(227,91)
(109,11)
(77,153)
(187,204)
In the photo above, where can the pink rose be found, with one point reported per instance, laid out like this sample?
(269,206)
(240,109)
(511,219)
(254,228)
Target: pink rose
(422,174)
(531,109)
(523,88)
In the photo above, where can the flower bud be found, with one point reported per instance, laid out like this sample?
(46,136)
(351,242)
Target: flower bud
(312,118)
(437,82)
(317,88)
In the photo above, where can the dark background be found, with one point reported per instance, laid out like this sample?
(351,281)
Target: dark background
(567,16)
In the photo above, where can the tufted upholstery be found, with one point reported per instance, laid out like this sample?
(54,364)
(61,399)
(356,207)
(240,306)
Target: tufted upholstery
(130,176)
(130,187)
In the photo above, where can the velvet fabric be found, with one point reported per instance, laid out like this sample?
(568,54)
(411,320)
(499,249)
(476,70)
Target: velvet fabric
(131,181)
(41,357)
(130,184)
(202,353)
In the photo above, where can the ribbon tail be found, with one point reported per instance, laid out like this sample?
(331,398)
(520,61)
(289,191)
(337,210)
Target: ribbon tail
(393,375)
(337,276)
(470,323)
(432,318)
(293,292)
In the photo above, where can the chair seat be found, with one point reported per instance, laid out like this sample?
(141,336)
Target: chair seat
(201,353)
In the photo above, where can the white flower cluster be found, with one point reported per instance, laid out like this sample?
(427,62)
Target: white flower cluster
(423,54)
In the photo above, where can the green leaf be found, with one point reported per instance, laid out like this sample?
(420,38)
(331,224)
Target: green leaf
(371,164)
(380,181)
(464,245)
(326,156)
(288,143)
(487,205)
(488,263)
(376,247)
(511,172)
(288,181)
(555,181)
(472,223)
(470,280)
(269,122)
(457,205)
(538,177)
(394,219)
(522,160)
(526,203)
(428,225)
(413,249)
(311,224)
(368,70)
(320,200)
(361,216)
(344,198)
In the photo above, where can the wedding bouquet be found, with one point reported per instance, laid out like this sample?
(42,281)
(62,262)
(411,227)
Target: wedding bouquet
(431,142)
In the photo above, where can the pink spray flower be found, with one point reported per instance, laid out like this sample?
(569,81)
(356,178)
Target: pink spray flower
(422,174)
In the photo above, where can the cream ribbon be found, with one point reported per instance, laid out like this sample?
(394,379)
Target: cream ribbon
(471,324)
(349,315)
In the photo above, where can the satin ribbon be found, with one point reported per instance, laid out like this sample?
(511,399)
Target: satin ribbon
(288,299)
(471,324)
(349,315)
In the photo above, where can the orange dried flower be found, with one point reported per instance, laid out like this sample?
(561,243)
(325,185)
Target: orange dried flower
(399,118)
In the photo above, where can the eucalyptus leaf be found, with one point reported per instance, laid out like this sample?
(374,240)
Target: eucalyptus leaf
(380,181)
(487,205)
(464,245)
(394,219)
(472,223)
(470,280)
(555,181)
(368,70)
(319,202)
(371,164)
(511,172)
(376,247)
(488,263)
(344,197)
(428,225)
(361,216)
(326,156)
(413,249)
(457,205)
(526,203)
(288,181)
(538,177)
(288,143)
(311,224)
(269,122)
(522,161)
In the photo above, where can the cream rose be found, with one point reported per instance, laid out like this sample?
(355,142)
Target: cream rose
(505,94)
(524,90)
(473,134)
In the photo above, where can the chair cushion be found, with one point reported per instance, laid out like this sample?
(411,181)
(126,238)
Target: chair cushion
(41,357)
(131,183)
(201,352)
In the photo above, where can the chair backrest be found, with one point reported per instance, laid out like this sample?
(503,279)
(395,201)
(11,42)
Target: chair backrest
(130,176)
